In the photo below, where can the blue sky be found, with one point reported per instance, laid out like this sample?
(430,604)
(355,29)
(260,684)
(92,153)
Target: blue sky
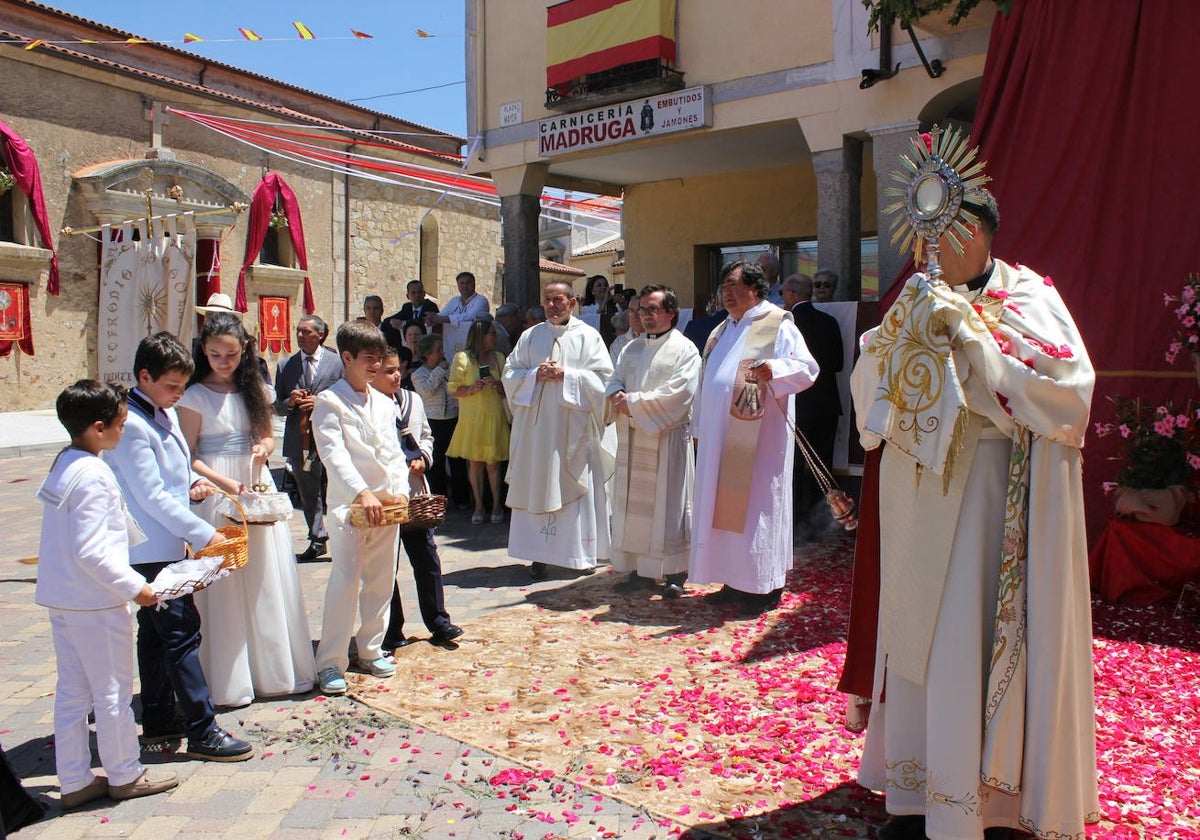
(394,60)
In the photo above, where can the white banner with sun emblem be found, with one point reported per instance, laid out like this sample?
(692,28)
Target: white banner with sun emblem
(147,284)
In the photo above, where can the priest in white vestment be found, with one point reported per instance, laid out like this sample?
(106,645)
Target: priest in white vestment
(650,395)
(754,361)
(983,703)
(559,459)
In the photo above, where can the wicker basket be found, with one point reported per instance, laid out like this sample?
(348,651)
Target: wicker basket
(425,511)
(395,512)
(233,554)
(235,551)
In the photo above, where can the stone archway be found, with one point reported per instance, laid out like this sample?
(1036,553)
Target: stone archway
(171,217)
(953,106)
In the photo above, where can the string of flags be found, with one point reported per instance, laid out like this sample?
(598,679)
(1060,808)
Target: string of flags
(302,31)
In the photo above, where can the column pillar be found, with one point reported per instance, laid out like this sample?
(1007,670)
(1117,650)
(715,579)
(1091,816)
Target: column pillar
(889,142)
(520,189)
(839,215)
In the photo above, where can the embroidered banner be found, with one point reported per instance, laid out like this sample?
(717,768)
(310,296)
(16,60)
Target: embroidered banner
(589,36)
(274,324)
(147,284)
(15,327)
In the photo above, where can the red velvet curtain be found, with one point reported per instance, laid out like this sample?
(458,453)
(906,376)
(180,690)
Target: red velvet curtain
(261,205)
(1088,121)
(22,163)
(208,268)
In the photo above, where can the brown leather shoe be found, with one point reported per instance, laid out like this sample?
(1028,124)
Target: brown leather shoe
(149,783)
(97,789)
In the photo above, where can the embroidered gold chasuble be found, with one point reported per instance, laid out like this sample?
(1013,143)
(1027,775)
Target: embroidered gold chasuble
(983,400)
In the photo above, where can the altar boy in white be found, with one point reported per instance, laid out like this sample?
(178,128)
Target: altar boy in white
(355,431)
(85,580)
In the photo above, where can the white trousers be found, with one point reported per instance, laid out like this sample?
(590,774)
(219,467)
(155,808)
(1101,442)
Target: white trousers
(94,649)
(363,574)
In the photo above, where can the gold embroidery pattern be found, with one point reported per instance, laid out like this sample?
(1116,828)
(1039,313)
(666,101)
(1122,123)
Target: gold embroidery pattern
(905,774)
(968,803)
(913,350)
(1008,636)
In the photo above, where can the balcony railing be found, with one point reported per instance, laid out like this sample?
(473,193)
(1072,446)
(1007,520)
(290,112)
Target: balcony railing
(629,81)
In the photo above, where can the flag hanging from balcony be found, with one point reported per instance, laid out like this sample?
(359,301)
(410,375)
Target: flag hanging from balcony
(589,36)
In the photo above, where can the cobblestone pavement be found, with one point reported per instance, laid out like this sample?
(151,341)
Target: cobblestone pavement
(325,767)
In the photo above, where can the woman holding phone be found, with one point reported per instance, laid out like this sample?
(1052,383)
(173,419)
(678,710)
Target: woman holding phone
(481,436)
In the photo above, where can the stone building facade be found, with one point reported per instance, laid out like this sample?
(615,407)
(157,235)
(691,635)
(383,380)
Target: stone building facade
(101,120)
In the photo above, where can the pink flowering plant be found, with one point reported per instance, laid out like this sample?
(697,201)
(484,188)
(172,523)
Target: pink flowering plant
(1160,444)
(1187,310)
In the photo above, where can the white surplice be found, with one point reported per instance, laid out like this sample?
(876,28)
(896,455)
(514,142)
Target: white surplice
(933,746)
(558,455)
(652,486)
(757,559)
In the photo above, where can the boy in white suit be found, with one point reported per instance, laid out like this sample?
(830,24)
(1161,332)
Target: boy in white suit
(355,431)
(85,580)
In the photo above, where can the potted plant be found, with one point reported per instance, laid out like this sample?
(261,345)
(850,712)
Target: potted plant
(1160,451)
(7,181)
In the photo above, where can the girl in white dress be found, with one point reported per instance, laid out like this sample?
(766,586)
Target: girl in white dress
(255,631)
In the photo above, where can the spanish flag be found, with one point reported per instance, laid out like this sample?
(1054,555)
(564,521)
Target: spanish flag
(249,34)
(304,32)
(189,38)
(588,36)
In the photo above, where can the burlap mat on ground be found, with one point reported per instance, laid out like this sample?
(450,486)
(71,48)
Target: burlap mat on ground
(675,706)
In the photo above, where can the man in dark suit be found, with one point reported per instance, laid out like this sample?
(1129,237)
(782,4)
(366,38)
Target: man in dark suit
(415,309)
(818,408)
(297,382)
(699,329)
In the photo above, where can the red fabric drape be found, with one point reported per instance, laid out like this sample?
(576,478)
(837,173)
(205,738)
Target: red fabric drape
(261,204)
(23,164)
(1087,125)
(1139,563)
(208,268)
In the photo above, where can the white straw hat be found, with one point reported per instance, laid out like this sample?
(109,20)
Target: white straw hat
(217,302)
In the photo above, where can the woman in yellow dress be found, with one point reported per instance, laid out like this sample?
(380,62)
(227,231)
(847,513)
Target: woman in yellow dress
(481,436)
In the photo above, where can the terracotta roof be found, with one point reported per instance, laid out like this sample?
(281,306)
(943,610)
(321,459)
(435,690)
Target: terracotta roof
(609,247)
(551,267)
(203,64)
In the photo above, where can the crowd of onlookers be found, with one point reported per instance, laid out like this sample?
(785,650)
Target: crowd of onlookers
(419,402)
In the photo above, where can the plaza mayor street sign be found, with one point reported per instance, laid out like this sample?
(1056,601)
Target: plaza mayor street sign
(650,116)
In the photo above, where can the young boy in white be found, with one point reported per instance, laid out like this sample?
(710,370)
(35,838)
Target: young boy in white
(355,431)
(85,580)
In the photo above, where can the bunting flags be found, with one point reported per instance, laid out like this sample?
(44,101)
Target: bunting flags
(421,33)
(246,34)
